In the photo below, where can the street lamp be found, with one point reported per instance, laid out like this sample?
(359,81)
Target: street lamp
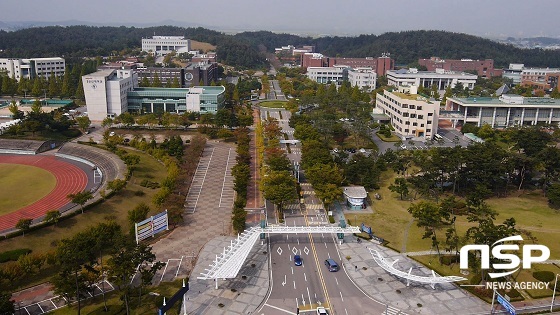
(554,292)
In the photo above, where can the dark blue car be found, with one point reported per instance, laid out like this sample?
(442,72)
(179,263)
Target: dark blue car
(297,260)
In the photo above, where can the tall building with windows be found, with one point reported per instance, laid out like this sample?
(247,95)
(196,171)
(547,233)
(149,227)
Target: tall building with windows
(106,92)
(110,93)
(410,114)
(33,67)
(162,45)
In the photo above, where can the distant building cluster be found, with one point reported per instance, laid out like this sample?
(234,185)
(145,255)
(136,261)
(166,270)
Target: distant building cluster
(483,68)
(31,68)
(544,79)
(380,65)
(292,50)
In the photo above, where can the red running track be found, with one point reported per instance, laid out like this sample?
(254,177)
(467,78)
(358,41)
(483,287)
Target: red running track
(70,179)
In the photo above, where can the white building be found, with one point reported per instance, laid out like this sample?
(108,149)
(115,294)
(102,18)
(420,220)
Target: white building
(409,113)
(106,92)
(514,72)
(441,78)
(32,68)
(162,45)
(327,75)
(505,111)
(362,77)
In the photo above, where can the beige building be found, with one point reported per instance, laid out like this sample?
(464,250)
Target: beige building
(411,115)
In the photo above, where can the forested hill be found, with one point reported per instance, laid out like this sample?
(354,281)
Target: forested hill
(90,41)
(406,47)
(241,49)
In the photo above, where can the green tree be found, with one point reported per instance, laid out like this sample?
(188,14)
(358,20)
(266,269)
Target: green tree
(116,184)
(175,83)
(400,187)
(431,217)
(553,195)
(7,305)
(83,123)
(37,108)
(107,122)
(122,266)
(24,225)
(156,81)
(52,216)
(80,198)
(66,89)
(54,89)
(279,187)
(14,110)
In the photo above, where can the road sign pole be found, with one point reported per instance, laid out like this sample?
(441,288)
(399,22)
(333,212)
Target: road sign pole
(554,292)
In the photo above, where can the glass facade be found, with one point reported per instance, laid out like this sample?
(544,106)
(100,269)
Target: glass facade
(160,100)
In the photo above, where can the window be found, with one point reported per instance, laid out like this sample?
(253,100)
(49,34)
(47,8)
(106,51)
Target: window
(406,130)
(421,125)
(415,124)
(430,114)
(412,107)
(412,115)
(429,122)
(407,123)
(420,116)
(419,107)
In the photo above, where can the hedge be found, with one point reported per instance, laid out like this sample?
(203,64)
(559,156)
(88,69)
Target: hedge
(13,255)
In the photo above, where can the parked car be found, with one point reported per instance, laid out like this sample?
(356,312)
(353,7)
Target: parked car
(321,311)
(297,260)
(331,265)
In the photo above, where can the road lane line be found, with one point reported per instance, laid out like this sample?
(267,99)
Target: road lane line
(308,295)
(335,279)
(305,276)
(294,284)
(292,270)
(341,296)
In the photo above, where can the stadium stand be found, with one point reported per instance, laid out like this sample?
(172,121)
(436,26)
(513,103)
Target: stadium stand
(110,164)
(17,146)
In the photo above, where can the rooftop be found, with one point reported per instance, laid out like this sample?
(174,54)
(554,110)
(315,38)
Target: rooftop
(355,191)
(439,74)
(177,92)
(412,97)
(495,100)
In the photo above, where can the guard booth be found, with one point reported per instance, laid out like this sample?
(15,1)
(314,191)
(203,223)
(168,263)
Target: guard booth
(355,197)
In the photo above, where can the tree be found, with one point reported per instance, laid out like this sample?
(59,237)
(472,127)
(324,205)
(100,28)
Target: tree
(53,86)
(400,187)
(279,187)
(74,255)
(7,305)
(553,194)
(52,217)
(116,184)
(107,122)
(37,108)
(122,266)
(431,217)
(80,198)
(137,214)
(24,225)
(14,110)
(131,160)
(83,123)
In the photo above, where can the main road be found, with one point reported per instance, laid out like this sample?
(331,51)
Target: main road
(311,285)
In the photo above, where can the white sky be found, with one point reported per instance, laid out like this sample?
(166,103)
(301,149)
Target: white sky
(489,18)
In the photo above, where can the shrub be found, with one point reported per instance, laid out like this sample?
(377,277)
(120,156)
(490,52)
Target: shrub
(13,255)
(139,193)
(331,219)
(544,276)
(448,259)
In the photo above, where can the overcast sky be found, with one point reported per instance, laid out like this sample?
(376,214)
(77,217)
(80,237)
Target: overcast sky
(491,18)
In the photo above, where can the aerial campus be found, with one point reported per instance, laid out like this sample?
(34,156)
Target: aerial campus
(172,170)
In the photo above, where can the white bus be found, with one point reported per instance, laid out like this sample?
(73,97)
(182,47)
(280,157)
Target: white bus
(437,137)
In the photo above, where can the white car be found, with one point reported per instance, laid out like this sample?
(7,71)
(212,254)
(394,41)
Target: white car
(112,133)
(321,311)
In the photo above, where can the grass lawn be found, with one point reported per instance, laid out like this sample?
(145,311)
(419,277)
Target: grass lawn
(22,185)
(273,104)
(527,275)
(115,208)
(392,138)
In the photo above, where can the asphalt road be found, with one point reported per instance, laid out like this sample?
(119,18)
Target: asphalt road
(310,285)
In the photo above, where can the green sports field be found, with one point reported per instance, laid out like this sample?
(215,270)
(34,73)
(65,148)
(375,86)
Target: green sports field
(22,185)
